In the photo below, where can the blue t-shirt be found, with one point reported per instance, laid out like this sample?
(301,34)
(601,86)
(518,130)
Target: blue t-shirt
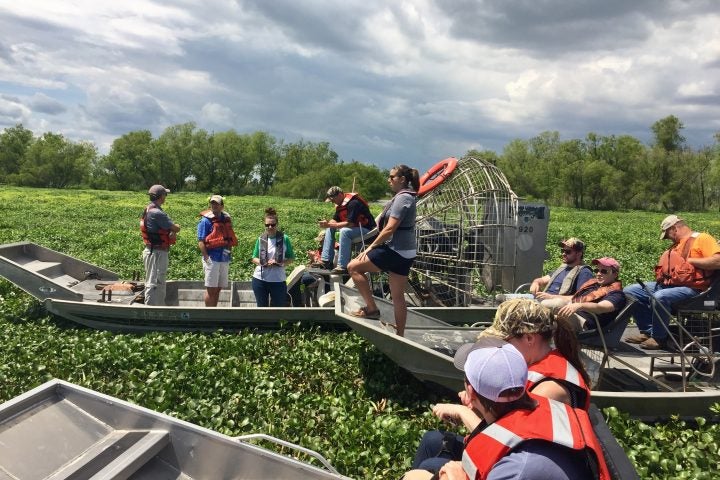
(220,254)
(541,460)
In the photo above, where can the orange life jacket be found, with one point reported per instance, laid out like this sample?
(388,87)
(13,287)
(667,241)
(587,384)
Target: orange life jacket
(551,421)
(586,293)
(556,367)
(342,209)
(674,270)
(222,234)
(160,239)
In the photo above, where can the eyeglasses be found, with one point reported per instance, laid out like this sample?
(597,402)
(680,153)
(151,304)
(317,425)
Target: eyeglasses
(271,225)
(604,271)
(566,251)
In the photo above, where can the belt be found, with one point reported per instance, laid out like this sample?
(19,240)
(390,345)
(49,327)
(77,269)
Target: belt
(157,247)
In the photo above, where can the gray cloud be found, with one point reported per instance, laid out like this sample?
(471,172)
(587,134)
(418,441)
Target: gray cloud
(41,103)
(382,82)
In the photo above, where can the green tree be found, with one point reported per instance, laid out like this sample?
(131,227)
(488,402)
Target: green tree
(173,154)
(129,165)
(14,142)
(234,163)
(52,161)
(667,133)
(264,150)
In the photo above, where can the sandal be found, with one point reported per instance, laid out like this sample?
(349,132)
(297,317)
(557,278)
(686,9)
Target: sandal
(363,312)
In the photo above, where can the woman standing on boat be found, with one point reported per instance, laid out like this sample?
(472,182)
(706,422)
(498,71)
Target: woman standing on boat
(393,250)
(273,252)
(555,373)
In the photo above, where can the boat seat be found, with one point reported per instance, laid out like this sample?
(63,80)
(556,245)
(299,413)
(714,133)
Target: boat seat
(116,456)
(707,300)
(608,337)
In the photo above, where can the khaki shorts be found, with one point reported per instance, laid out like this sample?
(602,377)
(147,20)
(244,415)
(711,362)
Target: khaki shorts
(216,273)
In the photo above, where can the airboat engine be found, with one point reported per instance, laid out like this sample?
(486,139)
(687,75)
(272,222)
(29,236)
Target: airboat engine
(474,237)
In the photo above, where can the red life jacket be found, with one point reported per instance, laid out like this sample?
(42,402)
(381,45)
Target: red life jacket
(551,421)
(222,234)
(674,270)
(342,209)
(586,293)
(160,239)
(556,367)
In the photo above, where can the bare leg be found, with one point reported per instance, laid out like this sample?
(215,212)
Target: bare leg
(357,268)
(397,290)
(212,296)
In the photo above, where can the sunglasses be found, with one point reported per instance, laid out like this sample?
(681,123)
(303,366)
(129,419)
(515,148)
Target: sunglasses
(604,271)
(566,251)
(271,225)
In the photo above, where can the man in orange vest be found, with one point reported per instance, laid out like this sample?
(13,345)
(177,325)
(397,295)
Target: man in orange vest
(683,271)
(215,241)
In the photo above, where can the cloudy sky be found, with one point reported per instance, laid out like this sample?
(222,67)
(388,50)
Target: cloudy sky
(384,82)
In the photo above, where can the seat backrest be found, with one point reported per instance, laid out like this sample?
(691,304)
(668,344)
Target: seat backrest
(295,276)
(613,331)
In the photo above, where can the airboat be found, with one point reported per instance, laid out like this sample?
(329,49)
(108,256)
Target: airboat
(98,298)
(647,385)
(61,430)
(475,239)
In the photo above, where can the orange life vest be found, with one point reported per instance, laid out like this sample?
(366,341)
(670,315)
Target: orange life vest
(222,234)
(342,209)
(556,367)
(586,293)
(160,239)
(674,270)
(551,421)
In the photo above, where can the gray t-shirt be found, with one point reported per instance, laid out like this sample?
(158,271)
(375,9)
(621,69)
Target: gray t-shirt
(404,208)
(156,219)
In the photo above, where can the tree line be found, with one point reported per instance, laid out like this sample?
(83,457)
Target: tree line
(609,172)
(598,172)
(183,158)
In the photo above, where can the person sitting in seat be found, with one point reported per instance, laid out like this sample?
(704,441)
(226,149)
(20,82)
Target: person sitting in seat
(523,435)
(683,271)
(556,373)
(601,297)
(352,217)
(555,290)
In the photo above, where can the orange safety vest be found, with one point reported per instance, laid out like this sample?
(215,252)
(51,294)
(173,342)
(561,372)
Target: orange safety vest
(586,294)
(222,234)
(674,270)
(342,209)
(551,421)
(556,367)
(160,239)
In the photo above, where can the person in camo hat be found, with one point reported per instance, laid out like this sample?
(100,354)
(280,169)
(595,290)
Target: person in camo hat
(555,289)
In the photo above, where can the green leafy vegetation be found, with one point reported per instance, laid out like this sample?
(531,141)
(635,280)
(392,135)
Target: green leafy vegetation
(329,391)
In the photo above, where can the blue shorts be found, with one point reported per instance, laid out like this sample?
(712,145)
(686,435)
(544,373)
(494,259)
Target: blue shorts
(388,260)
